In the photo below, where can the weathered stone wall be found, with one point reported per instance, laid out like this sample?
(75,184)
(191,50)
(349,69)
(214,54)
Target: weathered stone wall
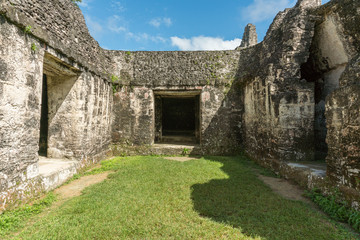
(79,93)
(343,120)
(79,121)
(20,98)
(61,25)
(279,104)
(306,88)
(250,37)
(212,73)
(133,116)
(324,68)
(343,104)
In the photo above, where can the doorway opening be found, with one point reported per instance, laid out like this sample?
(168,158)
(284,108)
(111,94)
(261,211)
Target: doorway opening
(44,119)
(177,117)
(58,80)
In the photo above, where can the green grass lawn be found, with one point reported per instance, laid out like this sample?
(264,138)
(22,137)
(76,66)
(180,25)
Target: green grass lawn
(209,198)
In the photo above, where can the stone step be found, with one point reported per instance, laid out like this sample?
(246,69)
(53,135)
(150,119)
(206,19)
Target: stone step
(54,172)
(178,139)
(175,149)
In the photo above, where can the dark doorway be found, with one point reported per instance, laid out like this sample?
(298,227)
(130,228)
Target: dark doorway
(178,116)
(44,122)
(177,119)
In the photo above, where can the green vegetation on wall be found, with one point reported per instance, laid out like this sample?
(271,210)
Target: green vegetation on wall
(28,29)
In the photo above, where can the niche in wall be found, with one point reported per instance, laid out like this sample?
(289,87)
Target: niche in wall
(326,63)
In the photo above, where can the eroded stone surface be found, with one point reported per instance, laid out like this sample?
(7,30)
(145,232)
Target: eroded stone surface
(343,120)
(80,100)
(279,104)
(250,37)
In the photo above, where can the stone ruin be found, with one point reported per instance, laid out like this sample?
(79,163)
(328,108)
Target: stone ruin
(290,102)
(250,37)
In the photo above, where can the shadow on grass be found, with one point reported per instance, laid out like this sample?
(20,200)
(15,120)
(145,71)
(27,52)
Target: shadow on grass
(244,202)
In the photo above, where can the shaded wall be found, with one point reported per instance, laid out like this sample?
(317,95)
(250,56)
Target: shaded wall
(303,99)
(279,103)
(343,104)
(211,73)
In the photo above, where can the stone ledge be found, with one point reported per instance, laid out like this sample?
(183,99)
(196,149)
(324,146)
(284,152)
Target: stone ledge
(54,172)
(310,175)
(155,149)
(50,173)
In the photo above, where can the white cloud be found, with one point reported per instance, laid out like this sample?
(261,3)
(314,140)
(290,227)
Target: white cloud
(204,43)
(143,37)
(157,22)
(158,39)
(167,21)
(117,6)
(261,10)
(117,24)
(95,28)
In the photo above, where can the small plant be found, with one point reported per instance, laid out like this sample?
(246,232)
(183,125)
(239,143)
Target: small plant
(127,56)
(28,29)
(185,151)
(114,78)
(114,88)
(73,178)
(34,47)
(336,209)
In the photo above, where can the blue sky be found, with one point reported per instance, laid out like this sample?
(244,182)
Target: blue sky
(167,25)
